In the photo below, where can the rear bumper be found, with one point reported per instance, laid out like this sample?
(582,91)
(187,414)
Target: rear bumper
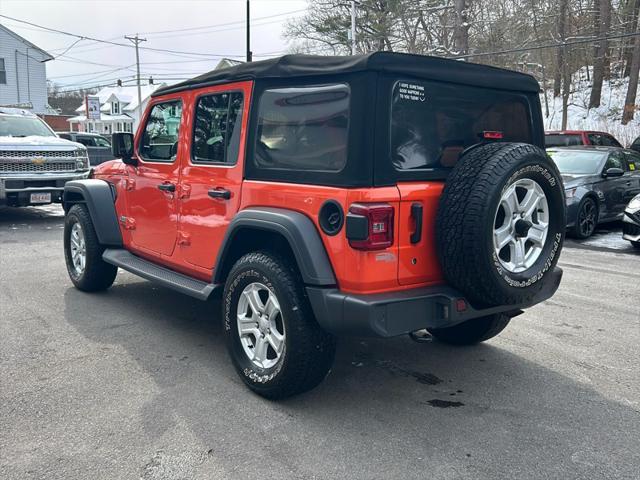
(397,313)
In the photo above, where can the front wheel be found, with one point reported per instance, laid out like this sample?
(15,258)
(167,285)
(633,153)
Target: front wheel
(472,331)
(587,219)
(274,341)
(83,253)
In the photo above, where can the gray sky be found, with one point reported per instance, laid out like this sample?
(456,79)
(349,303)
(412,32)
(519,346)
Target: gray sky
(224,35)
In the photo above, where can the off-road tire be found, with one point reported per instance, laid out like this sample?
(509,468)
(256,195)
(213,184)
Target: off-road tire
(576,231)
(97,275)
(308,352)
(472,331)
(466,217)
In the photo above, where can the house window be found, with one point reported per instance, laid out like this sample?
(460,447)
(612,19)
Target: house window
(115,108)
(3,72)
(118,127)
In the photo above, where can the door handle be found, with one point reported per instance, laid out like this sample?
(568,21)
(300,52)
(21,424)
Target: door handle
(167,187)
(416,214)
(219,193)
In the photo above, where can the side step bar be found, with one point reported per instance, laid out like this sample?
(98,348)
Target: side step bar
(150,271)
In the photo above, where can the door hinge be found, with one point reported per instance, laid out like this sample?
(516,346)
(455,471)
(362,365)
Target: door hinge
(128,223)
(184,238)
(129,184)
(185,191)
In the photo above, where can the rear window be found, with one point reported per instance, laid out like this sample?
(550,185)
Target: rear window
(432,124)
(562,140)
(303,128)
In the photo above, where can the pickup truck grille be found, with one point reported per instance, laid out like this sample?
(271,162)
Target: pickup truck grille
(29,161)
(28,167)
(29,154)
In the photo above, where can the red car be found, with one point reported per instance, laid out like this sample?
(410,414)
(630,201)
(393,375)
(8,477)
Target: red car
(570,138)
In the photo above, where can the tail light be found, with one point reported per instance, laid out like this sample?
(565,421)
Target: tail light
(492,135)
(370,226)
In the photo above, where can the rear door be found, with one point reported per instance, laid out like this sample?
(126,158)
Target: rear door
(431,125)
(211,177)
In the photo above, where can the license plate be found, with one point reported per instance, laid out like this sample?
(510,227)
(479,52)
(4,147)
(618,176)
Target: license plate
(41,197)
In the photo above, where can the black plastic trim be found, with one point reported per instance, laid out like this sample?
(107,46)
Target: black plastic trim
(298,230)
(396,313)
(323,218)
(98,196)
(357,227)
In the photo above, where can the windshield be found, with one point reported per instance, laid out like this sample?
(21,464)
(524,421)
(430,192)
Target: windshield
(555,140)
(573,162)
(14,126)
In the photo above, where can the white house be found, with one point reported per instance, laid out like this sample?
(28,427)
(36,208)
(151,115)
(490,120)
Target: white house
(23,76)
(119,109)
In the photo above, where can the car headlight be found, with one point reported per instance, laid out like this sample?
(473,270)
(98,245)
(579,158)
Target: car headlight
(634,204)
(571,192)
(82,160)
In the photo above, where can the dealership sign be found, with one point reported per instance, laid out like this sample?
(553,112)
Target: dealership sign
(92,106)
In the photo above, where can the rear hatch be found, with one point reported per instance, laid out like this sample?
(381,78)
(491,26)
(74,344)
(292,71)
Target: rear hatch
(431,124)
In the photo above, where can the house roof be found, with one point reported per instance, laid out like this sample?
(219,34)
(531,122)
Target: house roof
(420,66)
(126,94)
(103,118)
(46,55)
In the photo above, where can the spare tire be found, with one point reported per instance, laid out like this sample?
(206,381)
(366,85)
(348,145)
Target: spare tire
(501,223)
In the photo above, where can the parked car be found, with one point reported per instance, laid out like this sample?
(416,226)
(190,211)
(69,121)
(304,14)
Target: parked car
(631,222)
(99,147)
(599,182)
(373,195)
(635,145)
(571,138)
(34,163)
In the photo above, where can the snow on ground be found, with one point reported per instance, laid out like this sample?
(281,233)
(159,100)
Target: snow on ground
(605,118)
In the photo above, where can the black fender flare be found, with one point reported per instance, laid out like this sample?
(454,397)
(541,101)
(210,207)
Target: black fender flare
(99,197)
(296,228)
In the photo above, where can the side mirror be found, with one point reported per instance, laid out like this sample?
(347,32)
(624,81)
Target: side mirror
(122,147)
(613,172)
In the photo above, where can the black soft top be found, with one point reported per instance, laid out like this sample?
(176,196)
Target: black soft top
(421,66)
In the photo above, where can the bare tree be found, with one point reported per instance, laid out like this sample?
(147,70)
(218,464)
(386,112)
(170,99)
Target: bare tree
(560,55)
(630,100)
(602,24)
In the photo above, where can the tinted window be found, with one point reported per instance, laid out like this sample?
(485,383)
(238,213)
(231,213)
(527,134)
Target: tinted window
(66,136)
(86,141)
(102,142)
(160,134)
(603,140)
(633,160)
(616,160)
(304,128)
(432,124)
(216,134)
(554,140)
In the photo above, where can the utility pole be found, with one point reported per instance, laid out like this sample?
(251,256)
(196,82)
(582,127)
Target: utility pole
(136,41)
(353,27)
(249,55)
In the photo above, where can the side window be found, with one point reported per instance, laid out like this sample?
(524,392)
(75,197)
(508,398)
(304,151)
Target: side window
(603,140)
(616,160)
(217,125)
(159,141)
(86,141)
(102,142)
(633,161)
(66,136)
(303,128)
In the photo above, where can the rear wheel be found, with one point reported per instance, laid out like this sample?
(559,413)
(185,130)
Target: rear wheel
(274,341)
(586,220)
(83,253)
(472,331)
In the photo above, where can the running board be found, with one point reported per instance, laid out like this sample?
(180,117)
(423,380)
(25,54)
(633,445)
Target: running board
(150,271)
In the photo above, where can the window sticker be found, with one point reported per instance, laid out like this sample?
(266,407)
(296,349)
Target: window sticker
(412,92)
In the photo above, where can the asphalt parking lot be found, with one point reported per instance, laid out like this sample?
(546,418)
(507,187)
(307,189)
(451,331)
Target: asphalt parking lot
(135,383)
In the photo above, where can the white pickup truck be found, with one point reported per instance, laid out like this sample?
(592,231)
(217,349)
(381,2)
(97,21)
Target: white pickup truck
(34,163)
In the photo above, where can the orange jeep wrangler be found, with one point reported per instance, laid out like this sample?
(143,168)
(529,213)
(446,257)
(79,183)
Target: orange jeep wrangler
(372,195)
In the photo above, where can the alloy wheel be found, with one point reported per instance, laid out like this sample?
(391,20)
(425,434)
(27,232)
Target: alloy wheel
(78,249)
(521,225)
